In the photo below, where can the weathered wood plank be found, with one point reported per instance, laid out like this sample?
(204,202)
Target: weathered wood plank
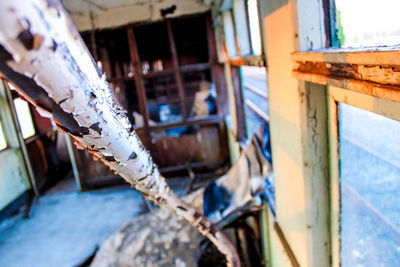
(382,74)
(140,89)
(388,92)
(369,56)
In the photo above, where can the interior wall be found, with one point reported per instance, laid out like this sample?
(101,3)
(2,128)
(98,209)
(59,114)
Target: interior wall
(87,17)
(285,128)
(13,177)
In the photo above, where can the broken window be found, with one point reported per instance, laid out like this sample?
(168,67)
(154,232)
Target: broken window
(369,182)
(361,23)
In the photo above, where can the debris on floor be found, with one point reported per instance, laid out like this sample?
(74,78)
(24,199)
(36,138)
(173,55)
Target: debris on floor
(160,239)
(157,239)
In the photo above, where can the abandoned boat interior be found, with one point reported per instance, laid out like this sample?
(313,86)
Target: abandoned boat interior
(278,120)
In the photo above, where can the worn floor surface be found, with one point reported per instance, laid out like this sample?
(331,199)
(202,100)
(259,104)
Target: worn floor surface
(66,226)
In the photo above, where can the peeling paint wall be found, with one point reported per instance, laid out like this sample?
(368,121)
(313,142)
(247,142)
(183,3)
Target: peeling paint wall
(298,132)
(284,107)
(87,17)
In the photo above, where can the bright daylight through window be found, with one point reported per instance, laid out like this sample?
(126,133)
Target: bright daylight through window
(362,23)
(24,117)
(370,185)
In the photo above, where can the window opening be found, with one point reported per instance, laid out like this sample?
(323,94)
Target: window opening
(255,95)
(363,23)
(256,98)
(370,182)
(254,25)
(24,117)
(242,27)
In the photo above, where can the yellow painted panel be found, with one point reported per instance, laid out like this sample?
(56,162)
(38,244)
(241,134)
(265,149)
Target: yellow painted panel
(285,105)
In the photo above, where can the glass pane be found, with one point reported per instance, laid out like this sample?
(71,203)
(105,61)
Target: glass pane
(229,33)
(24,117)
(367,22)
(241,26)
(254,27)
(255,97)
(3,143)
(370,186)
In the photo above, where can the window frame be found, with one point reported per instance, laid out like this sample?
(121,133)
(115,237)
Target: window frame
(363,77)
(366,102)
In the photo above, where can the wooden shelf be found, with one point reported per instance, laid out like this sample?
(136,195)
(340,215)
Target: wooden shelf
(212,119)
(169,71)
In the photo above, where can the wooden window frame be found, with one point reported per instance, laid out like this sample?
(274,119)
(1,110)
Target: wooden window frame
(360,77)
(367,71)
(238,59)
(363,101)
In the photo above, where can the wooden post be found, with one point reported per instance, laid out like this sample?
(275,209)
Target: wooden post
(140,89)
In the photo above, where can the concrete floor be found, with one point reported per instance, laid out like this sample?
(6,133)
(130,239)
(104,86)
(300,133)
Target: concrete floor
(66,226)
